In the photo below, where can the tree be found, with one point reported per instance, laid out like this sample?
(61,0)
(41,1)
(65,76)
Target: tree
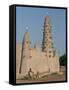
(63,60)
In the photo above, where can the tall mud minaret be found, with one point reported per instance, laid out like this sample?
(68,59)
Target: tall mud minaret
(47,46)
(24,53)
(47,35)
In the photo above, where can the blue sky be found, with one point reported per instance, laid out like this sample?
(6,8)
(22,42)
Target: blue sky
(33,19)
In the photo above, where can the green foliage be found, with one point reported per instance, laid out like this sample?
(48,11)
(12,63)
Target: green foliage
(63,60)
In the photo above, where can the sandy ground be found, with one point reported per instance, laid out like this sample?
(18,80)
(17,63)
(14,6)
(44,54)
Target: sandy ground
(48,78)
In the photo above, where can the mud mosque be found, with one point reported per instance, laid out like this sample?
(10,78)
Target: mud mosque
(42,61)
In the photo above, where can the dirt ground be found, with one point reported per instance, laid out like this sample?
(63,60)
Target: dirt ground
(47,78)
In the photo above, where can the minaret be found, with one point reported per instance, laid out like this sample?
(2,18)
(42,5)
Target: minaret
(26,41)
(47,44)
(47,35)
(47,47)
(24,52)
